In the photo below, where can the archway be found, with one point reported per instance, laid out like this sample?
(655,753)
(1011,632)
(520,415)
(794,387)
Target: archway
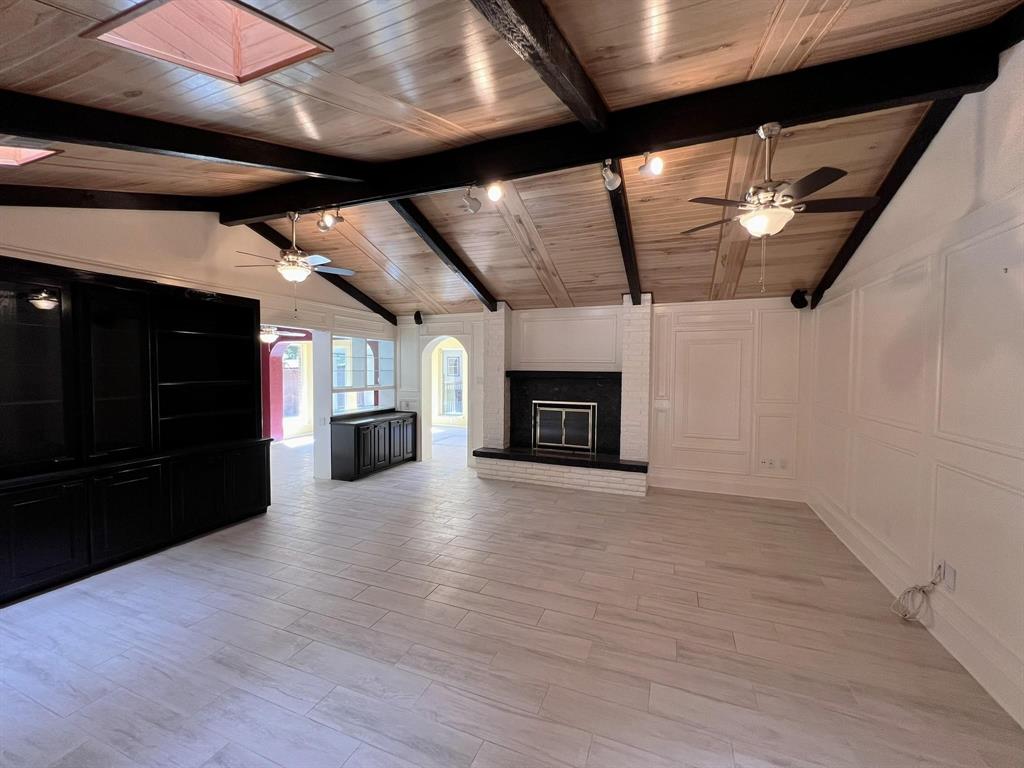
(445,376)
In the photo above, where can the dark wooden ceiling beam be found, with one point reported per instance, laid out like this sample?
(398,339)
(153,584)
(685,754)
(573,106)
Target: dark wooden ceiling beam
(530,31)
(421,225)
(624,229)
(275,238)
(938,69)
(34,117)
(67,197)
(915,147)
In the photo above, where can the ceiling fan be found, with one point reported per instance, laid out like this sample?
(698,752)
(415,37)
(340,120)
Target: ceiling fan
(271,333)
(770,205)
(294,264)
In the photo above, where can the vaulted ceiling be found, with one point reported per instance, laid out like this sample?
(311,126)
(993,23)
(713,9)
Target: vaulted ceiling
(419,77)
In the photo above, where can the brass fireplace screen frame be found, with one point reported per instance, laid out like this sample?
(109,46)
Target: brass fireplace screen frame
(563,407)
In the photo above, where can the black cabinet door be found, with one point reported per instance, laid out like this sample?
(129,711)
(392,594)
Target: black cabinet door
(38,425)
(198,493)
(409,438)
(43,535)
(397,440)
(366,449)
(248,489)
(381,455)
(130,512)
(115,367)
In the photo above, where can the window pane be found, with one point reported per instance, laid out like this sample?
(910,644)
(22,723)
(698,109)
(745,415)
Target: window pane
(362,365)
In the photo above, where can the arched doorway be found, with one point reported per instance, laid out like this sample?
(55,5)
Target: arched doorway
(444,400)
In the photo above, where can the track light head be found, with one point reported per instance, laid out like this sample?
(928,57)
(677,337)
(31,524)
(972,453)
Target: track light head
(653,165)
(612,180)
(327,221)
(472,204)
(494,191)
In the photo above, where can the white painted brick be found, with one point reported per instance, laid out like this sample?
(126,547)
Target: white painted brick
(582,478)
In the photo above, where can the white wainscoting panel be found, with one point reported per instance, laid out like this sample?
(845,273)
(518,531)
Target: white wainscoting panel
(726,393)
(928,463)
(583,339)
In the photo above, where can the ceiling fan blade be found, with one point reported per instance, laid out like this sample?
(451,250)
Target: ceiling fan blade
(838,204)
(335,271)
(243,266)
(290,334)
(315,259)
(812,182)
(706,226)
(256,255)
(717,201)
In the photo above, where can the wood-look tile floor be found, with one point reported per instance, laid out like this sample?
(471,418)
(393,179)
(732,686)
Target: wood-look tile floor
(426,618)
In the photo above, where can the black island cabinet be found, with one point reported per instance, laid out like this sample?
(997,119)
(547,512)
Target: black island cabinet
(130,419)
(369,442)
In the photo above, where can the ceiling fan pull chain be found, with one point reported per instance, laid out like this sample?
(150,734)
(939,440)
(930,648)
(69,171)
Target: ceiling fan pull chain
(764,246)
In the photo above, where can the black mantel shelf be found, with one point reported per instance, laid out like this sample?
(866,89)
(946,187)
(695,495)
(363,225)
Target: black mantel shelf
(563,458)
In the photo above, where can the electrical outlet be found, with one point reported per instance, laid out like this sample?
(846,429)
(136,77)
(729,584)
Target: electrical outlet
(768,462)
(948,577)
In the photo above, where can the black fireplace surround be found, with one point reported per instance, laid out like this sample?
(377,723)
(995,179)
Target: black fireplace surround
(603,388)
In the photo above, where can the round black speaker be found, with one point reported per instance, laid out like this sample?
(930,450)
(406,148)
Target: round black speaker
(799,299)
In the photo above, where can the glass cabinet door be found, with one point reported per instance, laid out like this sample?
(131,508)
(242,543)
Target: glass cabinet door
(35,421)
(116,322)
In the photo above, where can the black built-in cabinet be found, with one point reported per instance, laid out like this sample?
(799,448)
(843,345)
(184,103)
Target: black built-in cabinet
(362,445)
(130,419)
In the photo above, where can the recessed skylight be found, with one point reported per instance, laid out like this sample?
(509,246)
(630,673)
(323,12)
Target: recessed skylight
(13,156)
(223,38)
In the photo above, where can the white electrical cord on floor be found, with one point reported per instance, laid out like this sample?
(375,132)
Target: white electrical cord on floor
(912,600)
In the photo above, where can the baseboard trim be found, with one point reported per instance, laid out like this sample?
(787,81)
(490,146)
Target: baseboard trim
(997,671)
(701,482)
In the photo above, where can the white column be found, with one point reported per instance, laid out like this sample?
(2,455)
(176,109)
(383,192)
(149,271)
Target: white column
(322,405)
(497,338)
(636,378)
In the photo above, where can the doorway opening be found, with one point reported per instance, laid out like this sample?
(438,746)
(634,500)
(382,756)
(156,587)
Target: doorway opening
(287,364)
(445,407)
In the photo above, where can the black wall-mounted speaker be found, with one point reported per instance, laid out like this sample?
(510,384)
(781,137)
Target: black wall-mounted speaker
(799,299)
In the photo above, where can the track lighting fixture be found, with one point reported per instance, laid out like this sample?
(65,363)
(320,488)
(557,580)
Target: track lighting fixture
(43,300)
(472,204)
(612,180)
(494,191)
(653,165)
(327,221)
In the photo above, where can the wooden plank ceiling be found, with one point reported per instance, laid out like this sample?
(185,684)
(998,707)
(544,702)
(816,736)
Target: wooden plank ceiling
(415,77)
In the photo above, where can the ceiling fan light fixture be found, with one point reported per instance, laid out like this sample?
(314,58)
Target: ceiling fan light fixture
(268,334)
(612,180)
(293,272)
(494,191)
(766,221)
(43,300)
(653,165)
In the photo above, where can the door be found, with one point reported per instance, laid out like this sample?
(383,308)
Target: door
(409,438)
(366,449)
(130,512)
(115,365)
(43,535)
(198,494)
(381,457)
(397,440)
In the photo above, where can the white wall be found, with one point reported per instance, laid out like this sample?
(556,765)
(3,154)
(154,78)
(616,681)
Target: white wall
(726,392)
(567,339)
(415,344)
(917,415)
